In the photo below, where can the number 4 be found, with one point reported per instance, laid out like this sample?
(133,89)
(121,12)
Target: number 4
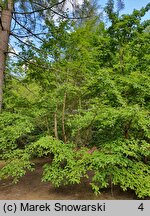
(141,207)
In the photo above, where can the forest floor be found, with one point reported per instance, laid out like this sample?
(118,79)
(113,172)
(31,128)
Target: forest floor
(30,187)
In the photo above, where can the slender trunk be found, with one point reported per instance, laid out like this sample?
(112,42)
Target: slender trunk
(80,105)
(55,124)
(111,186)
(6,16)
(126,129)
(63,119)
(47,125)
(121,59)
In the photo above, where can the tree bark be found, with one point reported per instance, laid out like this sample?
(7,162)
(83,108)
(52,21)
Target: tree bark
(126,129)
(6,17)
(63,119)
(55,124)
(47,125)
(121,59)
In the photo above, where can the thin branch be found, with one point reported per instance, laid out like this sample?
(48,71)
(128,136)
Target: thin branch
(66,17)
(24,36)
(24,85)
(26,60)
(40,10)
(33,14)
(50,8)
(29,45)
(15,22)
(28,30)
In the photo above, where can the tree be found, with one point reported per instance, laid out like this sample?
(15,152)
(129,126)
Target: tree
(23,17)
(5,20)
(86,106)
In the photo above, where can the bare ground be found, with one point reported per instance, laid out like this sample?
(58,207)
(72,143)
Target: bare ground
(30,187)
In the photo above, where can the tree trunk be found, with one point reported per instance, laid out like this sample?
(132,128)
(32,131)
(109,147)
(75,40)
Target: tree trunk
(63,119)
(126,129)
(121,59)
(5,16)
(47,125)
(55,124)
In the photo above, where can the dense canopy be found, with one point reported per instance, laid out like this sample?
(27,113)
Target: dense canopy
(81,97)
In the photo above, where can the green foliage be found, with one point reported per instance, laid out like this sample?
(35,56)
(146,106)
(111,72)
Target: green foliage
(120,162)
(18,162)
(136,177)
(92,91)
(68,164)
(12,127)
(3,4)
